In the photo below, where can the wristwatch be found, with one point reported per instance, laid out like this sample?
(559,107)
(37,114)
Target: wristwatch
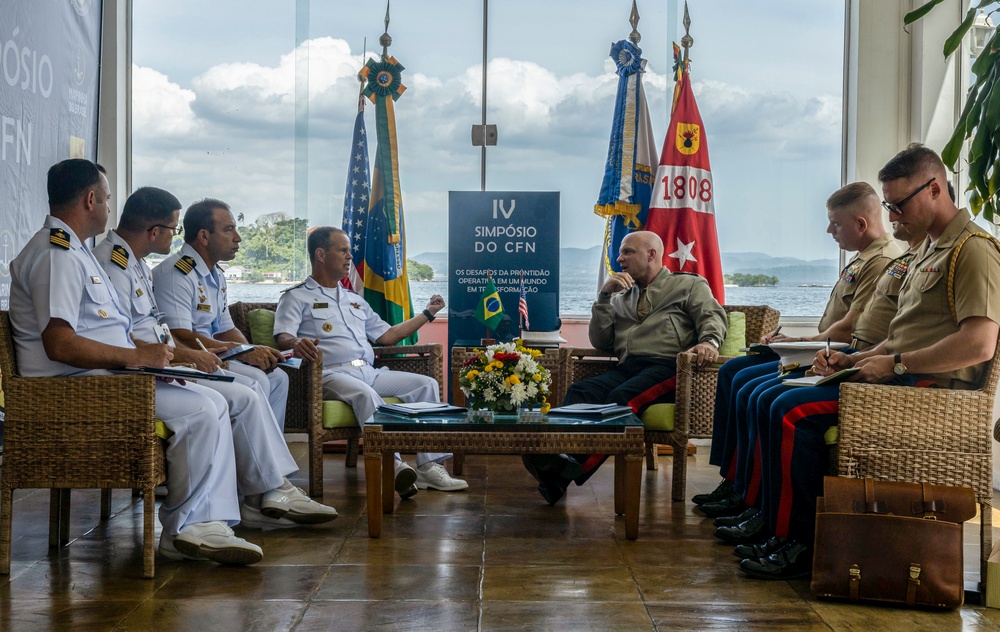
(898,367)
(430,317)
(712,342)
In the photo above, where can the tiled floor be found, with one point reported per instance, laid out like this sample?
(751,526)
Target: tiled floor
(493,558)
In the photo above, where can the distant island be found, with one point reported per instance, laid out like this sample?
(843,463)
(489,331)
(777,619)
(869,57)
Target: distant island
(750,280)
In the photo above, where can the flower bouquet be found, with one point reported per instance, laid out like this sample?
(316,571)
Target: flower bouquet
(504,378)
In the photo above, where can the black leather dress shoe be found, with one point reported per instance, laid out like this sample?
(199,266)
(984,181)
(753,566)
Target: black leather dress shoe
(724,490)
(757,551)
(731,505)
(729,521)
(753,530)
(554,473)
(793,561)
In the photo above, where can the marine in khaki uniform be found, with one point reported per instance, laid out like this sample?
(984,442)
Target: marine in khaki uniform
(855,224)
(928,343)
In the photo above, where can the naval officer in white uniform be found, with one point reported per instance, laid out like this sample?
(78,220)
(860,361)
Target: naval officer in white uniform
(148,223)
(67,320)
(191,292)
(320,313)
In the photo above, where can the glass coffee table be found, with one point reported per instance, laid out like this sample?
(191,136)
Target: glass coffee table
(388,433)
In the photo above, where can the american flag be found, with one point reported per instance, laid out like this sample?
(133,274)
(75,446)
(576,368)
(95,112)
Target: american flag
(522,304)
(356,202)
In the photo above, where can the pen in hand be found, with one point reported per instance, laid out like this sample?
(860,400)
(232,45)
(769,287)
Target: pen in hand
(828,350)
(776,331)
(205,349)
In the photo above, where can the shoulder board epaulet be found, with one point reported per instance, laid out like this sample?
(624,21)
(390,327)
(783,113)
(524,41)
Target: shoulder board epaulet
(59,237)
(687,273)
(297,285)
(119,256)
(185,264)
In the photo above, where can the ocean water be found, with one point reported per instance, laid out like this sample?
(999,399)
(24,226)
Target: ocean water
(577,295)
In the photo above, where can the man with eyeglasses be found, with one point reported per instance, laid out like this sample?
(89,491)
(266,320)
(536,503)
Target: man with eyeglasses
(191,292)
(944,334)
(148,223)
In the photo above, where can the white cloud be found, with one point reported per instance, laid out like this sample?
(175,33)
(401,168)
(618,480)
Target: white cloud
(160,107)
(231,135)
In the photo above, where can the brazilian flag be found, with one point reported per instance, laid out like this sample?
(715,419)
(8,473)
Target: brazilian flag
(489,311)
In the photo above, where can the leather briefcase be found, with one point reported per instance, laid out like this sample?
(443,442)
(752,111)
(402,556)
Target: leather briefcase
(891,542)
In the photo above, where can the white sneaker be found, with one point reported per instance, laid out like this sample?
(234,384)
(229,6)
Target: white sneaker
(213,541)
(433,475)
(290,502)
(405,480)
(252,518)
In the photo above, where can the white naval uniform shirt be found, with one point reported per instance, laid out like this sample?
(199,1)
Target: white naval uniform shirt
(194,301)
(134,284)
(57,276)
(340,319)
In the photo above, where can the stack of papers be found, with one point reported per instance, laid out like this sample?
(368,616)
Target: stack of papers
(592,410)
(422,408)
(229,354)
(795,354)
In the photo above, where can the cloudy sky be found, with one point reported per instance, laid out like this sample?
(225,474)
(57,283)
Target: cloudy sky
(214,105)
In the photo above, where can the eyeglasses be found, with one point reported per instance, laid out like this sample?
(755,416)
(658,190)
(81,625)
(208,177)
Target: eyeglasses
(897,208)
(177,230)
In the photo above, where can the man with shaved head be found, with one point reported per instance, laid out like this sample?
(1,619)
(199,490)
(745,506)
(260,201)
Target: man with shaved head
(646,315)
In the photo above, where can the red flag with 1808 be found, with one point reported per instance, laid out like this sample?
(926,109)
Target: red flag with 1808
(682,208)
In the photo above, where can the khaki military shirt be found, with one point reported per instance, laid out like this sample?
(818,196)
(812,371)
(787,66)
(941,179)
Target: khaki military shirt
(858,278)
(872,325)
(683,312)
(924,316)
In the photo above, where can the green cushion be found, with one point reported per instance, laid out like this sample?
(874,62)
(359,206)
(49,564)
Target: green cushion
(736,338)
(262,327)
(832,435)
(659,417)
(337,414)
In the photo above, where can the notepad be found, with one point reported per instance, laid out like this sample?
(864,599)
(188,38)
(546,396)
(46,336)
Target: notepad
(176,373)
(822,380)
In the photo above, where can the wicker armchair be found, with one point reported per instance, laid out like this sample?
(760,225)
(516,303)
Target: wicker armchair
(927,435)
(64,433)
(304,411)
(695,396)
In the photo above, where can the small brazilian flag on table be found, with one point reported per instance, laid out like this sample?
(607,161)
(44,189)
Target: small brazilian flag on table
(489,311)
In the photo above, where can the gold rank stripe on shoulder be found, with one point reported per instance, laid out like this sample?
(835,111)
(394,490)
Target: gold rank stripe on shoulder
(185,264)
(59,237)
(119,256)
(293,287)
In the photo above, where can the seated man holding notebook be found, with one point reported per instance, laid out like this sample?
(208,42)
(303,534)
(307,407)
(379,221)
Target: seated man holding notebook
(148,223)
(943,335)
(68,321)
(320,314)
(646,315)
(855,223)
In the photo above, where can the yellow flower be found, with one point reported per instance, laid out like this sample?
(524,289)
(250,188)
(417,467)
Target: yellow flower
(471,375)
(537,377)
(546,407)
(534,353)
(513,379)
(488,368)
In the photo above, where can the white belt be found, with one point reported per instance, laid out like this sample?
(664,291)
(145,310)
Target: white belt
(348,363)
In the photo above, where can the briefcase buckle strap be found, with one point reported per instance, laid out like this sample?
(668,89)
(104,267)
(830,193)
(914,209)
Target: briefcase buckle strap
(911,588)
(855,573)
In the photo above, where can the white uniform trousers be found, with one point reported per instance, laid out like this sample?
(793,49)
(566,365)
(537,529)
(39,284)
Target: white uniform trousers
(274,384)
(201,469)
(363,387)
(262,456)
